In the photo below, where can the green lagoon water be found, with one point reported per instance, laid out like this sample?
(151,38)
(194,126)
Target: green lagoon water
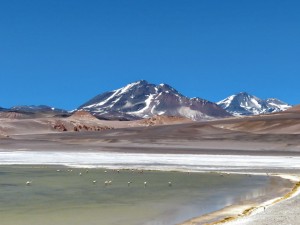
(66,198)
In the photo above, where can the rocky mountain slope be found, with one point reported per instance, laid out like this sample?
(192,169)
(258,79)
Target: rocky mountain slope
(244,104)
(143,100)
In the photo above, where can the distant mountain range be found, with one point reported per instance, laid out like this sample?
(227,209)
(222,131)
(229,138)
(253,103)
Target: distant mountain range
(37,108)
(244,104)
(144,100)
(35,111)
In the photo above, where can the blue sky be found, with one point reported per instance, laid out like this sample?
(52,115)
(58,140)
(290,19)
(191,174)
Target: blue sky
(64,52)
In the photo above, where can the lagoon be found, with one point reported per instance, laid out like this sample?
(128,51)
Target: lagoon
(63,195)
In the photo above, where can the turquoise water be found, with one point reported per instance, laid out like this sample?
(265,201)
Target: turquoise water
(63,197)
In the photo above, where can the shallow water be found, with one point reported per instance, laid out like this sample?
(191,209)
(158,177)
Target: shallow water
(63,197)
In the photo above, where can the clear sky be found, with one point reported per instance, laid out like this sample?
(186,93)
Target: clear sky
(63,52)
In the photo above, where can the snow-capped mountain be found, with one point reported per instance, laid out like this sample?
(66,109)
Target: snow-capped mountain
(243,104)
(142,100)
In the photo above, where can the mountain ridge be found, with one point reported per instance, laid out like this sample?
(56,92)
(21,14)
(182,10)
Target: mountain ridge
(141,99)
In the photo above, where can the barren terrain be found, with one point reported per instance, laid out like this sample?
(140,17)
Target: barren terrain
(274,134)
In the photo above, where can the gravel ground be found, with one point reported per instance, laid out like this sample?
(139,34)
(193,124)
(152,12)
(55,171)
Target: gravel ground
(286,212)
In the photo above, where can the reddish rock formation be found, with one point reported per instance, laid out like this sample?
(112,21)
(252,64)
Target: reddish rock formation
(90,128)
(60,127)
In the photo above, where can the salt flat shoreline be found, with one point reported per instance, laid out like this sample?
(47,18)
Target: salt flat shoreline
(239,214)
(184,162)
(167,162)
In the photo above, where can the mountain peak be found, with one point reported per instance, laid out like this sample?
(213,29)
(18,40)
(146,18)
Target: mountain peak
(245,94)
(141,82)
(242,93)
(143,100)
(244,103)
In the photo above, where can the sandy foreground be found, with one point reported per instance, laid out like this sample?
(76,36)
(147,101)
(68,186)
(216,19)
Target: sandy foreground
(285,212)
